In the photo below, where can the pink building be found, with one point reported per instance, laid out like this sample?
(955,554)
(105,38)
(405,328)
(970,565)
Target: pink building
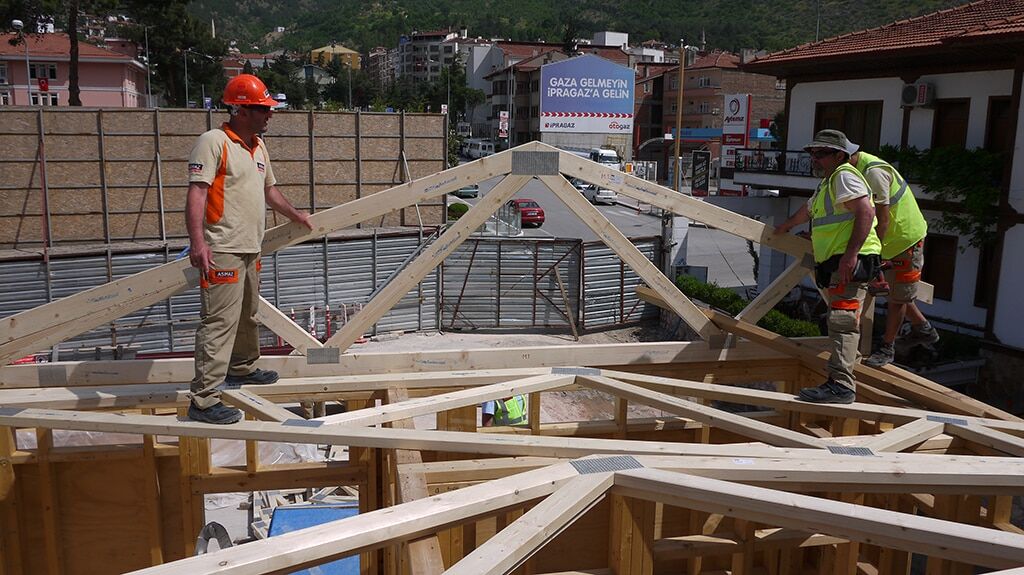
(107,79)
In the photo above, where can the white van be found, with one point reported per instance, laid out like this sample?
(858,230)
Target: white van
(604,156)
(477,148)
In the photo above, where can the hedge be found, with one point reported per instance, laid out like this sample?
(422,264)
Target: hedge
(455,211)
(731,303)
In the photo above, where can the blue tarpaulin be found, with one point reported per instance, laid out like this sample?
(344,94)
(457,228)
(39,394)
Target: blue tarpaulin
(292,518)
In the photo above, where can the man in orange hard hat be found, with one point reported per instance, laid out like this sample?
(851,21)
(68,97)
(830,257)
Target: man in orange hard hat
(230,186)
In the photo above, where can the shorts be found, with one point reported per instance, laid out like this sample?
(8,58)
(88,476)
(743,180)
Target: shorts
(905,274)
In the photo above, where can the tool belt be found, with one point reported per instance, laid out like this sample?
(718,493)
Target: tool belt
(867,269)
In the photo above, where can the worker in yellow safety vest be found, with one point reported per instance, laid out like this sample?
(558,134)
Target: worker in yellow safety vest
(901,229)
(846,254)
(507,411)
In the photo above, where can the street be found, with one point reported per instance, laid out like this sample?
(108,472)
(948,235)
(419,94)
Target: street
(726,256)
(561,222)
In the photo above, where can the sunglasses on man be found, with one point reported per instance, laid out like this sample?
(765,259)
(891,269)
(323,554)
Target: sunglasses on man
(262,109)
(824,153)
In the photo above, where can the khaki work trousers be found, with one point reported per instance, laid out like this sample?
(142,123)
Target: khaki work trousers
(227,340)
(845,303)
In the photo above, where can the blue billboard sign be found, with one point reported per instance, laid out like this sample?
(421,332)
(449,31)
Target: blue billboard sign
(586,94)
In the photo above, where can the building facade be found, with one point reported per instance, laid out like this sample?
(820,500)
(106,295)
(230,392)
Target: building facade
(106,78)
(949,79)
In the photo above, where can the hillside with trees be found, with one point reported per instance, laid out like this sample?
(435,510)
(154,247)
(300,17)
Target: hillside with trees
(727,24)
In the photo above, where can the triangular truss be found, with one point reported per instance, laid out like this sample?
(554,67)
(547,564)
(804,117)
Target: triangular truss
(759,473)
(46,325)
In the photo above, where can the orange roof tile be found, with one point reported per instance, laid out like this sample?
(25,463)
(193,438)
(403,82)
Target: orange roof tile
(981,19)
(55,45)
(716,59)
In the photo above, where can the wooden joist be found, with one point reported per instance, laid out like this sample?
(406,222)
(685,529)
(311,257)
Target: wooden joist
(932,537)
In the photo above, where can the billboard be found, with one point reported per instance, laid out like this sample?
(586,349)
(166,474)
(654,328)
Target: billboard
(735,130)
(586,95)
(701,176)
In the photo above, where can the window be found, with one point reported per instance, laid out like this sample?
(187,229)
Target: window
(647,87)
(447,49)
(704,82)
(3,73)
(950,124)
(997,129)
(780,84)
(44,99)
(705,107)
(48,71)
(673,83)
(5,98)
(860,121)
(940,264)
(985,279)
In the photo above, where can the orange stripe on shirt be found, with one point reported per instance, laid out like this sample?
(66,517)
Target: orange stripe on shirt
(215,195)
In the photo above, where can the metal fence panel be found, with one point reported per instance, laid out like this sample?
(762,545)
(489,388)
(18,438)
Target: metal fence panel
(609,286)
(487,283)
(495,283)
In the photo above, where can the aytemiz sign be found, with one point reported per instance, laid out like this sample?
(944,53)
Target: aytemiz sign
(735,128)
(586,94)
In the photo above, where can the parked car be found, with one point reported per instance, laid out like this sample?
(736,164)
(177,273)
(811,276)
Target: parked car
(470,191)
(530,211)
(598,195)
(579,184)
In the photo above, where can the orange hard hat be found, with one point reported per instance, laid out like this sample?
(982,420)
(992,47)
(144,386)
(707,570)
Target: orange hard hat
(247,90)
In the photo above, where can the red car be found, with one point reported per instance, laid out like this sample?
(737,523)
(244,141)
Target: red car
(530,211)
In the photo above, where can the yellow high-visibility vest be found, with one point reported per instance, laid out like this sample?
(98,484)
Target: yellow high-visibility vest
(906,224)
(831,231)
(509,411)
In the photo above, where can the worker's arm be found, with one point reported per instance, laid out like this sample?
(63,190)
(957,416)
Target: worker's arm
(801,216)
(863,215)
(882,214)
(199,254)
(281,205)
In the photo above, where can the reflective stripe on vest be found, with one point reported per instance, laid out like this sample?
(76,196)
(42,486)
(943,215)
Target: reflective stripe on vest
(831,232)
(509,411)
(907,225)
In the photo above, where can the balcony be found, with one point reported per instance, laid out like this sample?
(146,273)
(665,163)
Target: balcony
(779,169)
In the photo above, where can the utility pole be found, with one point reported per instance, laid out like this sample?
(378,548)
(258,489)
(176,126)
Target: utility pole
(678,167)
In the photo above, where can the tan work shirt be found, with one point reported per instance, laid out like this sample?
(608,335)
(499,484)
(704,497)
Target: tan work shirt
(238,177)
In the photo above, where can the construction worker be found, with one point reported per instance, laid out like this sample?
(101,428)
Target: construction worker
(901,229)
(846,253)
(508,411)
(231,184)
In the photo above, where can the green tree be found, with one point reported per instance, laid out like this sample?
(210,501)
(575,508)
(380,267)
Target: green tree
(174,36)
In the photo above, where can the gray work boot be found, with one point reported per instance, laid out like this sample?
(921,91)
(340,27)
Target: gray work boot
(257,377)
(884,355)
(828,392)
(217,413)
(924,334)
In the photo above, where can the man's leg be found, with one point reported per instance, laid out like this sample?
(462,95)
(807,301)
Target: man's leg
(844,307)
(906,282)
(246,351)
(845,303)
(221,303)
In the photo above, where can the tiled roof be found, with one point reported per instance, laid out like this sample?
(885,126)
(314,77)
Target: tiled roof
(975,20)
(607,52)
(51,45)
(716,59)
(526,49)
